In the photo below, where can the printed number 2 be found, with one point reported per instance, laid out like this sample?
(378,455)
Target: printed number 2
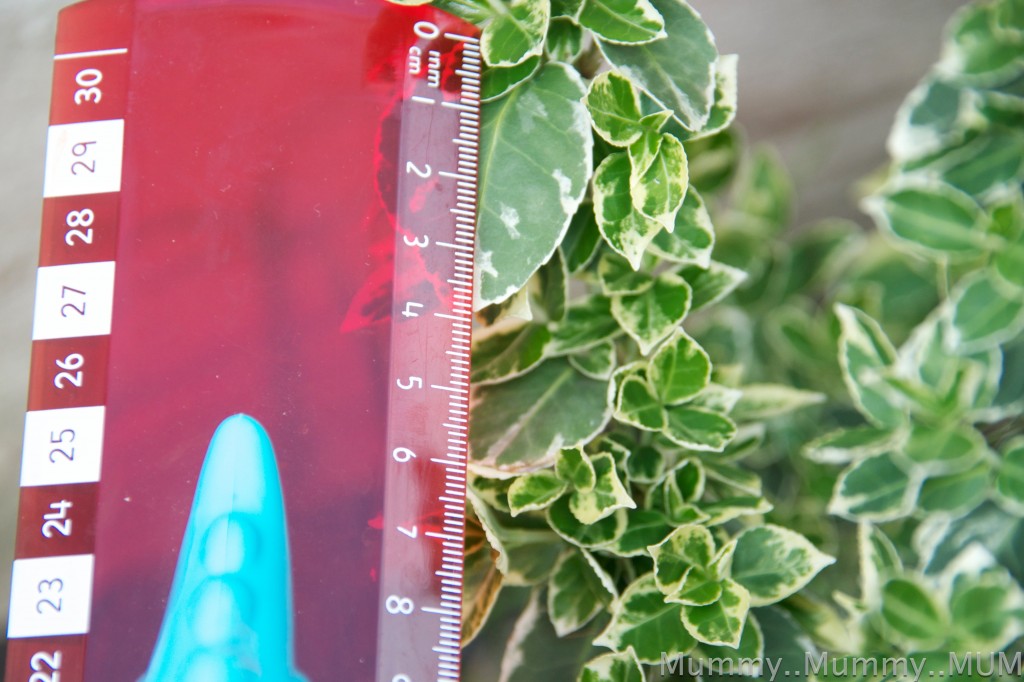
(424,172)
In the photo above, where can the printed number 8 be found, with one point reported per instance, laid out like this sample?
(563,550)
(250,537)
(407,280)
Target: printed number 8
(399,605)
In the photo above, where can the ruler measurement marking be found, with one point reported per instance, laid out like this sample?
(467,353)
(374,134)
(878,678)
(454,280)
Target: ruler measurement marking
(90,53)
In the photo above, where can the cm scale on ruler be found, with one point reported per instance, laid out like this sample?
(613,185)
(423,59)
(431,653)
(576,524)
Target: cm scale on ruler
(245,446)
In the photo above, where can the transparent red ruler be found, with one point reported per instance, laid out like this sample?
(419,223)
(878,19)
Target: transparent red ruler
(245,444)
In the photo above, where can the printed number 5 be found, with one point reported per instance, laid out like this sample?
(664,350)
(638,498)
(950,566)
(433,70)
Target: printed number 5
(410,383)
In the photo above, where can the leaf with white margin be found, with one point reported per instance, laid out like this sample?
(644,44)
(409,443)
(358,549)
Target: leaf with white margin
(575,468)
(623,227)
(986,609)
(909,614)
(597,362)
(942,450)
(642,619)
(693,237)
(621,667)
(521,425)
(774,562)
(614,107)
(498,81)
(747,658)
(587,323)
(687,546)
(723,111)
(698,429)
(931,218)
(535,163)
(607,495)
(659,187)
(575,593)
(865,352)
(986,313)
(874,489)
(588,536)
(652,315)
(678,71)
(502,355)
(878,560)
(638,406)
(720,623)
(535,490)
(847,445)
(516,33)
(680,369)
(644,527)
(622,21)
(712,282)
(765,401)
(617,277)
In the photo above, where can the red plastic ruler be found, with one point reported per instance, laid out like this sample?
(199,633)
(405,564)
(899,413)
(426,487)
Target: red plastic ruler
(263,208)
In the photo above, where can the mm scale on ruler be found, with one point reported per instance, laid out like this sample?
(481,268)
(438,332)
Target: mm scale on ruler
(245,446)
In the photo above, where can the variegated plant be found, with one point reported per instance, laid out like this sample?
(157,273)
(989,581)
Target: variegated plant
(654,354)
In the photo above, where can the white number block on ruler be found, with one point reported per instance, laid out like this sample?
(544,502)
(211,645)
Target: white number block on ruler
(51,596)
(73,300)
(62,446)
(83,158)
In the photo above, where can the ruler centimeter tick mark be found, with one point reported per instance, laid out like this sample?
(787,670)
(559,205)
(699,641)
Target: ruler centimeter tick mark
(262,209)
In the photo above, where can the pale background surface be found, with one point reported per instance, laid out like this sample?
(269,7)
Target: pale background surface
(820,80)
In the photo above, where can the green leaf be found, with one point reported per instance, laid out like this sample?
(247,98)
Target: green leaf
(1008,218)
(638,406)
(699,588)
(934,116)
(723,111)
(535,162)
(552,287)
(681,487)
(774,562)
(517,33)
(481,579)
(1010,480)
(500,80)
(493,491)
(621,667)
(712,283)
(956,494)
(874,489)
(505,355)
(984,315)
(748,658)
(614,108)
(909,614)
(589,536)
(677,71)
(720,623)
(699,429)
(624,228)
(597,362)
(644,527)
(713,160)
(693,237)
(587,323)
(729,508)
(534,491)
(575,593)
(864,353)
(576,469)
(931,218)
(658,185)
(763,192)
(972,53)
(618,277)
(622,21)
(985,610)
(688,546)
(642,619)
(522,424)
(581,241)
(764,401)
(535,653)
(878,560)
(847,445)
(565,40)
(473,11)
(679,369)
(743,480)
(646,465)
(943,450)
(607,495)
(652,315)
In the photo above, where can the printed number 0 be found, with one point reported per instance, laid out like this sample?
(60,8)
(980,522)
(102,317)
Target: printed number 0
(399,605)
(401,678)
